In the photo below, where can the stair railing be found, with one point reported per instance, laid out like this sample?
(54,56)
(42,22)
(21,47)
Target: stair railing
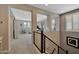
(43,43)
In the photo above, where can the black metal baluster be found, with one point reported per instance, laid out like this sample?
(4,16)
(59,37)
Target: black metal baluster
(58,49)
(41,41)
(44,44)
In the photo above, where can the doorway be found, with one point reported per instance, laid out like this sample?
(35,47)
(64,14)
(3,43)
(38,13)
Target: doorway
(21,32)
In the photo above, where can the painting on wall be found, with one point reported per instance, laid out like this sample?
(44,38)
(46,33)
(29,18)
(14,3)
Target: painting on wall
(72,41)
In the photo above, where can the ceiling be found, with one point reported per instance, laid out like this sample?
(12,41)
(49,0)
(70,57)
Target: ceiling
(57,8)
(21,14)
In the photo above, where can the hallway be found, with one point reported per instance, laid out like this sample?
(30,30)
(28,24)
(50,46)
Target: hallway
(23,45)
(55,31)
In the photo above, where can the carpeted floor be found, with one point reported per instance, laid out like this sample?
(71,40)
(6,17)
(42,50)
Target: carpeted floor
(23,45)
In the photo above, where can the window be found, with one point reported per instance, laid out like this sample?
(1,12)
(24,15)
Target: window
(45,25)
(25,23)
(68,23)
(42,22)
(53,24)
(29,24)
(72,22)
(75,22)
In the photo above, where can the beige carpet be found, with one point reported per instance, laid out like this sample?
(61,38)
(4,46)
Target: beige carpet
(23,45)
